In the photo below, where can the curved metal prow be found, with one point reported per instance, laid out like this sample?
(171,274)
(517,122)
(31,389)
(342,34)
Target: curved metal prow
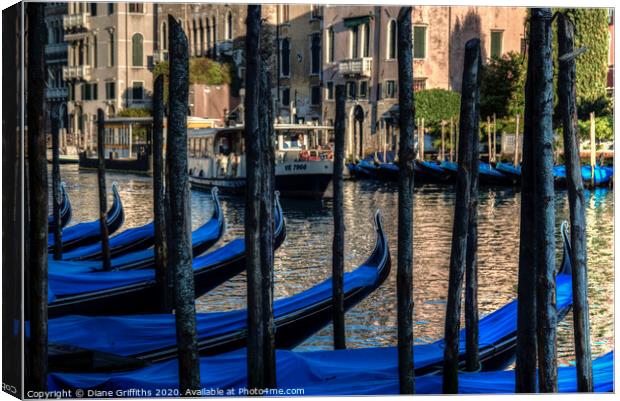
(566,267)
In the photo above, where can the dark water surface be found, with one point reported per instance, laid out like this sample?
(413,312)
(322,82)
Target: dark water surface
(305,257)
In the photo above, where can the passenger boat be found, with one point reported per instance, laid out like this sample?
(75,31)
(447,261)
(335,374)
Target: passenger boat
(304,161)
(130,241)
(101,293)
(296,318)
(88,233)
(357,371)
(65,210)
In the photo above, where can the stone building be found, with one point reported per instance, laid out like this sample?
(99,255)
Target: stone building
(360,53)
(218,31)
(55,59)
(110,52)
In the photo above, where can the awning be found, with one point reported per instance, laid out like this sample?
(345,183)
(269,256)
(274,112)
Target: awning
(355,21)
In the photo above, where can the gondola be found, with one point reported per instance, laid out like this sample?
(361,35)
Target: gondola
(353,371)
(487,174)
(602,175)
(296,318)
(100,293)
(83,234)
(65,210)
(510,170)
(140,238)
(430,172)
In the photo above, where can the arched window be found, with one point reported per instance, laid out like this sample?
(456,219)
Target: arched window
(208,35)
(201,38)
(391,45)
(229,26)
(137,51)
(111,53)
(315,53)
(164,36)
(95,58)
(285,53)
(330,45)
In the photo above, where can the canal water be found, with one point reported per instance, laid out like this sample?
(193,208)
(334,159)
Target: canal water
(304,259)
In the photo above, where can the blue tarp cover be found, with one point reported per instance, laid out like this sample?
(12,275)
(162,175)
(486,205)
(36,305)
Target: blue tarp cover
(508,168)
(601,174)
(64,280)
(130,335)
(356,371)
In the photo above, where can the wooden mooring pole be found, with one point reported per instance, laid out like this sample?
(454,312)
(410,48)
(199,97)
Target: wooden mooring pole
(162,274)
(266,222)
(574,183)
(36,357)
(516,161)
(490,141)
(180,237)
(541,97)
(338,243)
(469,120)
(404,274)
(260,352)
(472,354)
(103,207)
(56,193)
(592,148)
(494,138)
(451,139)
(442,157)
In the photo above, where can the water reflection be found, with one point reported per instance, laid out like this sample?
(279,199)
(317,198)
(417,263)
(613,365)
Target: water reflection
(305,257)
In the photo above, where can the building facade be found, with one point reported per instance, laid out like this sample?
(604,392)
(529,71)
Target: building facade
(360,52)
(55,59)
(110,53)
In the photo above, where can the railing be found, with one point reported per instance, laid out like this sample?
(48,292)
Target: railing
(54,49)
(81,72)
(56,93)
(356,66)
(76,21)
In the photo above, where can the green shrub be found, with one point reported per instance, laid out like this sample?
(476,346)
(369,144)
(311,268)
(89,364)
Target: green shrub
(502,86)
(436,105)
(604,127)
(135,112)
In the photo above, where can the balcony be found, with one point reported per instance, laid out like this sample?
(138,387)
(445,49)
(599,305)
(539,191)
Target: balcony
(77,72)
(56,93)
(356,67)
(75,22)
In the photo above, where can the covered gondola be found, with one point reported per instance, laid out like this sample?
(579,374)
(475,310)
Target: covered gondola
(487,174)
(65,210)
(430,172)
(510,170)
(99,293)
(320,373)
(130,241)
(357,371)
(88,233)
(602,175)
(296,318)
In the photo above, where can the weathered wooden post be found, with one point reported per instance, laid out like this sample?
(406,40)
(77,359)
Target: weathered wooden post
(456,140)
(267,154)
(469,121)
(516,153)
(162,274)
(471,262)
(451,139)
(103,208)
(338,243)
(544,213)
(494,137)
(490,144)
(421,130)
(56,194)
(180,238)
(574,183)
(38,198)
(443,141)
(259,352)
(404,274)
(592,148)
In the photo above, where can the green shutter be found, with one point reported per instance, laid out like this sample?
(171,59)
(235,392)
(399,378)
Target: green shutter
(496,43)
(137,50)
(419,42)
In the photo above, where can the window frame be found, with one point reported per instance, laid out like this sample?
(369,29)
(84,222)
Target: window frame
(315,38)
(108,85)
(138,6)
(329,45)
(315,94)
(391,47)
(425,27)
(133,89)
(133,51)
(282,58)
(329,90)
(501,43)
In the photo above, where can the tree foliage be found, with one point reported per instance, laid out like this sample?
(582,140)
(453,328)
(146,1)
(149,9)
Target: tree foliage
(502,87)
(135,112)
(436,105)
